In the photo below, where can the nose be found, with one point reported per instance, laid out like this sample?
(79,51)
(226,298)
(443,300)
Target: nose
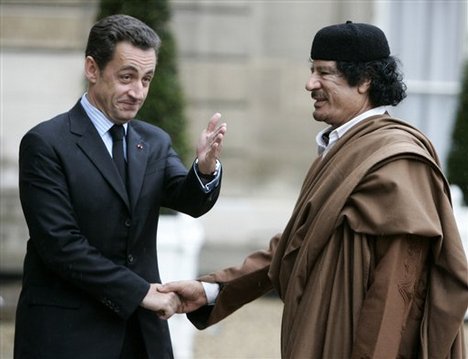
(313,83)
(137,91)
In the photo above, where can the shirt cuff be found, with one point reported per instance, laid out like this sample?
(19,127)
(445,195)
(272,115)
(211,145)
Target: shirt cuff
(211,291)
(208,187)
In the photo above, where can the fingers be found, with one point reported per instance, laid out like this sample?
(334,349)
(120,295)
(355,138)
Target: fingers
(215,132)
(163,304)
(218,136)
(190,292)
(172,287)
(214,151)
(169,287)
(171,304)
(215,139)
(213,122)
(181,287)
(211,136)
(219,133)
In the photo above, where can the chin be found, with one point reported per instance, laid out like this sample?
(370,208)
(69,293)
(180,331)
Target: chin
(127,116)
(318,118)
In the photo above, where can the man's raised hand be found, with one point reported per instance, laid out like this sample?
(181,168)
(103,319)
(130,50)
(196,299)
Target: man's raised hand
(210,144)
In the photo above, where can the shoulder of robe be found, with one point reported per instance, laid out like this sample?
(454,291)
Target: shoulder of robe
(400,197)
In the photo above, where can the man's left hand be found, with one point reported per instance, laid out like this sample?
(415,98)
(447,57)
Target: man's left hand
(210,145)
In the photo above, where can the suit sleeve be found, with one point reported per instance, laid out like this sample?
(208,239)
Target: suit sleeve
(183,190)
(55,234)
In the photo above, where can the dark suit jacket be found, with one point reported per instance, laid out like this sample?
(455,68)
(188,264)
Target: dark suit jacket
(92,248)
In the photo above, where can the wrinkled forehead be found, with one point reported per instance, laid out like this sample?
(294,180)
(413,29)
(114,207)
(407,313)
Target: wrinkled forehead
(323,65)
(125,52)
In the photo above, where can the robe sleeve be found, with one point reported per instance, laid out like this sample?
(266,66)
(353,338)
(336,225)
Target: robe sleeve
(239,285)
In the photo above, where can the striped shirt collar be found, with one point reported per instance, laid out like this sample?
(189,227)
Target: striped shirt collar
(99,120)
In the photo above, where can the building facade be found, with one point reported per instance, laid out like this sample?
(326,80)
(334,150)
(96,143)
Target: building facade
(248,60)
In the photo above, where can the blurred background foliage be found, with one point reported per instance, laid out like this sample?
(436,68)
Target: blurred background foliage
(457,165)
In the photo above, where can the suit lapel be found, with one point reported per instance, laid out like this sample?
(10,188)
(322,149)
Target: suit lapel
(137,157)
(92,145)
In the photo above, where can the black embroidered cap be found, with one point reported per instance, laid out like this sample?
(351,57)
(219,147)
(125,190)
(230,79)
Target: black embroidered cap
(356,42)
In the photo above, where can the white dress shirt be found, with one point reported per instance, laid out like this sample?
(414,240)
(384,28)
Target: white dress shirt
(337,133)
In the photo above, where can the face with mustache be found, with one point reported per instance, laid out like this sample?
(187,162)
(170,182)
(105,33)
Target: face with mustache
(336,102)
(120,88)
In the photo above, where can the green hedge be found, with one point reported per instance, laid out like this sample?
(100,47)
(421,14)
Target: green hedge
(164,105)
(457,165)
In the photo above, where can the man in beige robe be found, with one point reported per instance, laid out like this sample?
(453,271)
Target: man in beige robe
(371,263)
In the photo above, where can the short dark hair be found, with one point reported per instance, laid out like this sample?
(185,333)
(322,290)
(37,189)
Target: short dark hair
(111,30)
(386,87)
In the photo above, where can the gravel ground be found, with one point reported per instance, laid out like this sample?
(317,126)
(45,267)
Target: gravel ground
(250,333)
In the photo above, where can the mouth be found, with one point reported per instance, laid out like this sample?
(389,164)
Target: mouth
(130,105)
(318,97)
(319,101)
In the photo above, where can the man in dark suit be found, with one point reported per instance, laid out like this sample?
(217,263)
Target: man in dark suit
(91,199)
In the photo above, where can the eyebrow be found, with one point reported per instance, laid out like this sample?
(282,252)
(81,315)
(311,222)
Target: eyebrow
(134,69)
(328,68)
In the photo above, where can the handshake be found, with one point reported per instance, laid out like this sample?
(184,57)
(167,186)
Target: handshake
(174,297)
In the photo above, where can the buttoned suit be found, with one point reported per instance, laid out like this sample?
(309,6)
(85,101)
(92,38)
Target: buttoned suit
(92,248)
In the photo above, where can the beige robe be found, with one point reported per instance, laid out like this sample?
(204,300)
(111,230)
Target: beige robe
(371,264)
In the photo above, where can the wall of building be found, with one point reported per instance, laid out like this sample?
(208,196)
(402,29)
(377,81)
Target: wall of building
(431,40)
(249,60)
(245,59)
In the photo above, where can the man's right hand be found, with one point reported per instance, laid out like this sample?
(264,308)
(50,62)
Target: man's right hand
(163,304)
(191,294)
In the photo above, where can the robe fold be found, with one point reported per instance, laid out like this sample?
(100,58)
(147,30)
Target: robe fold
(370,264)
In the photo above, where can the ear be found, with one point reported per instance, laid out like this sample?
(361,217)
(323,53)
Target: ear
(364,86)
(91,69)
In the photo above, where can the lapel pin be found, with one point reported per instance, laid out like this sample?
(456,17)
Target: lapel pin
(140,146)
